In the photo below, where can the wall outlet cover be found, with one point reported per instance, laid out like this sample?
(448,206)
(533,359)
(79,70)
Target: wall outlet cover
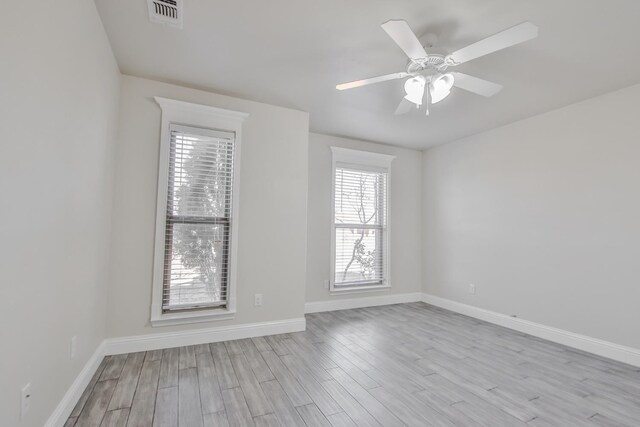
(25,400)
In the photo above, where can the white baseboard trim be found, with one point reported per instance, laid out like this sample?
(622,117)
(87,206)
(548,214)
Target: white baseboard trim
(345,304)
(158,341)
(60,415)
(201,336)
(596,346)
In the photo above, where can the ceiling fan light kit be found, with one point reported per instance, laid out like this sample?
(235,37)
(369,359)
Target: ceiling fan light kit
(440,87)
(414,87)
(429,82)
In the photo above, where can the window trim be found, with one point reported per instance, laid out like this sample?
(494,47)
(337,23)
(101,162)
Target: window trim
(207,117)
(364,160)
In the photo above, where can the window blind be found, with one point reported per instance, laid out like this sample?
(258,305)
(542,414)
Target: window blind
(360,219)
(198,219)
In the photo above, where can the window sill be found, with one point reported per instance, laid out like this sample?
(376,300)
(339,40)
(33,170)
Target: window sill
(359,289)
(191,317)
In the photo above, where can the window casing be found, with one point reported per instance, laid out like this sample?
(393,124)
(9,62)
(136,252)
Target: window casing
(360,221)
(196,226)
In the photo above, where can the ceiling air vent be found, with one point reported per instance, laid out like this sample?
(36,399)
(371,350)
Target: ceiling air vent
(166,12)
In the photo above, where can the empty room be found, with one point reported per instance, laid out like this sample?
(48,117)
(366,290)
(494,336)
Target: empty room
(320,213)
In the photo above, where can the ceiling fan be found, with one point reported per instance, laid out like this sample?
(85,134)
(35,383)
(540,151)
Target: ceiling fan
(428,81)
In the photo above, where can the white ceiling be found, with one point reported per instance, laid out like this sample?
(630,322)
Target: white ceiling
(292,53)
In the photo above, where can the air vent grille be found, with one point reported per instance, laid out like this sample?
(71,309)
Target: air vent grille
(166,12)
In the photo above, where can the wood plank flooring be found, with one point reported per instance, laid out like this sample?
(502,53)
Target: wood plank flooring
(406,364)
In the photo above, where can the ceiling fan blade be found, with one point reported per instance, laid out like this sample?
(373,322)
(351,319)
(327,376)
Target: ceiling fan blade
(475,84)
(404,107)
(371,80)
(401,33)
(512,36)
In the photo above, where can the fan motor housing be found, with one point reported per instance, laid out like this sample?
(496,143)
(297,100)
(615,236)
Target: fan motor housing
(432,64)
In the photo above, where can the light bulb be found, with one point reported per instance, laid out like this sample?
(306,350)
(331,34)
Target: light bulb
(440,88)
(414,88)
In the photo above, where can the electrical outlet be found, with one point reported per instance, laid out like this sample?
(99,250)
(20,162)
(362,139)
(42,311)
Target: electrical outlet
(257,300)
(326,284)
(472,288)
(25,400)
(73,347)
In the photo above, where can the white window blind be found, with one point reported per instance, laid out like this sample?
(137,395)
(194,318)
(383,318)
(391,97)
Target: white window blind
(198,219)
(360,225)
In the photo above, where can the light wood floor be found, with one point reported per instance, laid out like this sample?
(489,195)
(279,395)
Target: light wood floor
(408,364)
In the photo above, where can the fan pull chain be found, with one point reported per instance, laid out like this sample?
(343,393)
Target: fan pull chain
(428,90)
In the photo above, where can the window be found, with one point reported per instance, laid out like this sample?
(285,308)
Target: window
(195,224)
(198,219)
(360,232)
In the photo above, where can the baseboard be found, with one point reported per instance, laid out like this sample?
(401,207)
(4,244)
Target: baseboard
(60,415)
(201,336)
(158,341)
(596,346)
(372,301)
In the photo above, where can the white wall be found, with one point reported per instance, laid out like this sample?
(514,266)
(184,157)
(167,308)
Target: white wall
(405,214)
(59,86)
(543,215)
(273,208)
